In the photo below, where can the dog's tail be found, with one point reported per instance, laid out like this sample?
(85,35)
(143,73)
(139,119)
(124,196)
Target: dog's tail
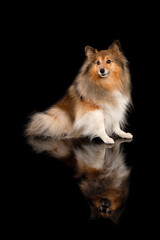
(53,123)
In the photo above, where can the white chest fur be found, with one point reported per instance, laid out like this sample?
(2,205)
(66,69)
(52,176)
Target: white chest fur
(99,122)
(115,113)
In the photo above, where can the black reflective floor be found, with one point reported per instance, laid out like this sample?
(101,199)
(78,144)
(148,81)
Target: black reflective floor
(94,174)
(76,181)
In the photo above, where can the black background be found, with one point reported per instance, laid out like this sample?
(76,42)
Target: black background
(46,49)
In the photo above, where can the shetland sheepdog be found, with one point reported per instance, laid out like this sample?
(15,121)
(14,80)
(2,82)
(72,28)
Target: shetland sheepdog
(96,103)
(100,170)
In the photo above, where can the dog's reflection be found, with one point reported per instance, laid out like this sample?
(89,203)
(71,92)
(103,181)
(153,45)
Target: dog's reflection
(102,174)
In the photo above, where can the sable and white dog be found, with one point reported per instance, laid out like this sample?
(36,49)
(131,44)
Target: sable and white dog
(96,103)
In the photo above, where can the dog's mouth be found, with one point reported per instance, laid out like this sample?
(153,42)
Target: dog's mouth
(105,74)
(105,206)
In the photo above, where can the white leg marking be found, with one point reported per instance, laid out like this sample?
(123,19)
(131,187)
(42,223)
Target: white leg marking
(121,133)
(92,124)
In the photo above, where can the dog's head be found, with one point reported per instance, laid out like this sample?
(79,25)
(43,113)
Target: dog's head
(106,200)
(106,66)
(109,205)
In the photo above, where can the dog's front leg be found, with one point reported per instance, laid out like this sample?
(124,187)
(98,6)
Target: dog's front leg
(121,133)
(92,125)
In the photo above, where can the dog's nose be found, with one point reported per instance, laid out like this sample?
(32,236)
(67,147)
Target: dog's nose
(105,203)
(103,210)
(102,70)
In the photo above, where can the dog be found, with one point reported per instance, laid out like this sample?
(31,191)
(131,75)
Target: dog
(98,168)
(96,103)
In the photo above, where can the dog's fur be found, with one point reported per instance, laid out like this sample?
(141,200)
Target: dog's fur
(95,105)
(99,168)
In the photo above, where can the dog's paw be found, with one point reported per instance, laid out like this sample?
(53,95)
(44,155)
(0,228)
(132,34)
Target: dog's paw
(127,135)
(108,140)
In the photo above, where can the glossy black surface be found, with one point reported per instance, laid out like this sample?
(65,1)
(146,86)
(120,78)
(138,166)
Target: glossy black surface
(83,184)
(99,175)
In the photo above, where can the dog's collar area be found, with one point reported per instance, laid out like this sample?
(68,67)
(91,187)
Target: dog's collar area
(78,93)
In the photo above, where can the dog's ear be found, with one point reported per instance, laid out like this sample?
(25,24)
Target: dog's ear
(94,214)
(90,52)
(115,46)
(116,217)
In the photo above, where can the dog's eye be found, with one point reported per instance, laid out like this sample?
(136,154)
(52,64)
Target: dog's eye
(98,63)
(109,211)
(108,61)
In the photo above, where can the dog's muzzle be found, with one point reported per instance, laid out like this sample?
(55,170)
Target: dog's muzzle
(103,72)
